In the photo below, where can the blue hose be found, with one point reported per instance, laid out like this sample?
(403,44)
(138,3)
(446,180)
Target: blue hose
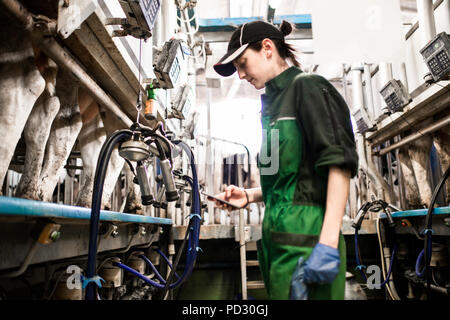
(100,172)
(358,262)
(194,225)
(137,274)
(194,234)
(418,261)
(167,261)
(190,260)
(155,271)
(420,258)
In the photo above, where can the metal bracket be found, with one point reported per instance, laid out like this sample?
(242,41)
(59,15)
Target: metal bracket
(71,14)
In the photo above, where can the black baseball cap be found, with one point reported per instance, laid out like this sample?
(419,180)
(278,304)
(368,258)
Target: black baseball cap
(240,39)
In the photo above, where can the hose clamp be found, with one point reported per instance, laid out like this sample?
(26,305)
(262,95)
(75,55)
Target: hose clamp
(194,215)
(96,279)
(425,231)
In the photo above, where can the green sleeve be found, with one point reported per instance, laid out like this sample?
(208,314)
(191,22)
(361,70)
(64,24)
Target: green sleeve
(326,123)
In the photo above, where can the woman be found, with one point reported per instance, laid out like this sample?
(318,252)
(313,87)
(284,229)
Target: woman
(308,123)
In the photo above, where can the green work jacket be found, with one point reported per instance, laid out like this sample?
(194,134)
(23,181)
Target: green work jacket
(306,129)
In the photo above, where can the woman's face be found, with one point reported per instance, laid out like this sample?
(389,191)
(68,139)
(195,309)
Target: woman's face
(254,67)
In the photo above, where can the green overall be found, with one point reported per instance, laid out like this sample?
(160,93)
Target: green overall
(306,129)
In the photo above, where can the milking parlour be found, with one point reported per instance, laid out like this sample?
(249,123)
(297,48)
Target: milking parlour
(224,154)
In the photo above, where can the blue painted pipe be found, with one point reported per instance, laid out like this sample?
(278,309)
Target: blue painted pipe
(416,213)
(227,24)
(32,208)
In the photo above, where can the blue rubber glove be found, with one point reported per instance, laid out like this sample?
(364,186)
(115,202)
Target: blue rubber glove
(322,265)
(299,290)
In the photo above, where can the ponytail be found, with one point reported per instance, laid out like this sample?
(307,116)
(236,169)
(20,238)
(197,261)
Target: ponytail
(286,50)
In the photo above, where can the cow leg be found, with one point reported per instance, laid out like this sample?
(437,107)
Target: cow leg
(36,134)
(419,153)
(64,132)
(91,139)
(362,180)
(116,162)
(20,85)
(442,145)
(411,188)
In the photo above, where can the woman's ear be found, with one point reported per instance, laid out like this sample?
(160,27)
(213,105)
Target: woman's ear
(268,47)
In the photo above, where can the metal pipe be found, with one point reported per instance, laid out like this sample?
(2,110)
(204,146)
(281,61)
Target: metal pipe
(360,145)
(439,289)
(401,186)
(25,263)
(209,156)
(187,25)
(357,88)
(383,189)
(19,12)
(55,52)
(239,144)
(413,29)
(369,91)
(344,83)
(169,19)
(433,127)
(242,252)
(390,178)
(128,247)
(404,75)
(385,76)
(385,72)
(427,24)
(358,94)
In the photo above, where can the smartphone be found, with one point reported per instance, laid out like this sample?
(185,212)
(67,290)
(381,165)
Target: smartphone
(222,201)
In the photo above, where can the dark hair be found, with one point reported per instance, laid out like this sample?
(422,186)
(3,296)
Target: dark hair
(284,49)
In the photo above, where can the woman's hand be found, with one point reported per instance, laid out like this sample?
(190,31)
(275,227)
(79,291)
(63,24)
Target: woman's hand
(322,265)
(232,194)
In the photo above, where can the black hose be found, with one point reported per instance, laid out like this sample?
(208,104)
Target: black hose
(131,166)
(177,260)
(100,173)
(162,154)
(428,230)
(167,143)
(195,205)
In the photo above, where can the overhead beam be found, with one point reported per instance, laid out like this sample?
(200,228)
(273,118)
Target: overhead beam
(301,21)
